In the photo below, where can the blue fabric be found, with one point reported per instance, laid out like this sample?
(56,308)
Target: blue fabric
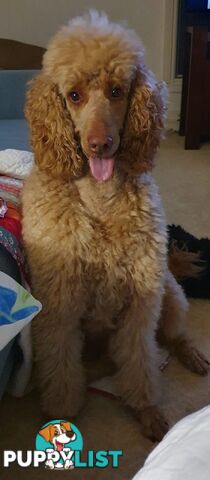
(8,298)
(14,134)
(13,84)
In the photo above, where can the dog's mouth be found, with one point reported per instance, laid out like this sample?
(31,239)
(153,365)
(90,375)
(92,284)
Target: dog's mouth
(101,168)
(59,446)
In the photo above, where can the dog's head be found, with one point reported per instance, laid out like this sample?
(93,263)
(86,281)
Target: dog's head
(95,105)
(58,434)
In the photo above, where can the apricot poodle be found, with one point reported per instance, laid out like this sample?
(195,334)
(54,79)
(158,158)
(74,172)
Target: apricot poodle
(93,224)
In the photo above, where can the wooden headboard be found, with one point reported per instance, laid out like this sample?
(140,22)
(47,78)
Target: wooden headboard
(16,55)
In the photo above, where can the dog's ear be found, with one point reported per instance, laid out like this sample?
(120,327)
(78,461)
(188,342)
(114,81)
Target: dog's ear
(66,425)
(52,131)
(144,123)
(45,433)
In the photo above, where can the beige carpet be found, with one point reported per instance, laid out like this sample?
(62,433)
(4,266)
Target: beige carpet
(184,179)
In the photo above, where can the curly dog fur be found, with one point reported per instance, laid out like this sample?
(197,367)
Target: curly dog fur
(93,224)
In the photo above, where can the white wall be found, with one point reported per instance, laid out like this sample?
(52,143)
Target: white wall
(35,21)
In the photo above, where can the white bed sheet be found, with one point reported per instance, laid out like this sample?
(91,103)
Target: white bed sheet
(184,453)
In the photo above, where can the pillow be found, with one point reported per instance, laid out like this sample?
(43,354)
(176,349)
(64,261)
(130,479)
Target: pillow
(17,308)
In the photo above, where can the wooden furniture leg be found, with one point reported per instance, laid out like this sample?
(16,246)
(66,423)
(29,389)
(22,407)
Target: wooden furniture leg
(196,86)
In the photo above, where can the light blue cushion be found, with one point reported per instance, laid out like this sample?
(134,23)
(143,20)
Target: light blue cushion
(13,84)
(14,134)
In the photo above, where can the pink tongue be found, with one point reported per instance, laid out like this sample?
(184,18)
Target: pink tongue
(59,446)
(101,168)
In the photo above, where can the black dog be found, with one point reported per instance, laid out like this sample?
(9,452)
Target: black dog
(197,286)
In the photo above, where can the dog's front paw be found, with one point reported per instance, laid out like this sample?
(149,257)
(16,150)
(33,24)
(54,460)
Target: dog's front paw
(192,359)
(153,422)
(68,465)
(49,464)
(63,403)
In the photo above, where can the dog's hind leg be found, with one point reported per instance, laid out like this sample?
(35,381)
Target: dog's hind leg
(173,329)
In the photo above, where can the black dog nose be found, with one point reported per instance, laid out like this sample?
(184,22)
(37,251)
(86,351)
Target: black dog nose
(69,433)
(100,145)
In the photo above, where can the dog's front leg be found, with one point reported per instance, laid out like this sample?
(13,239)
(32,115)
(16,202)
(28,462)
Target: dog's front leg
(134,350)
(58,343)
(172,331)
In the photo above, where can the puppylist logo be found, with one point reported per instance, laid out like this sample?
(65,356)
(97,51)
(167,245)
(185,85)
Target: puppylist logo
(59,446)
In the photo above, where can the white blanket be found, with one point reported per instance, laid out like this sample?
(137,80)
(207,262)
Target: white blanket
(16,163)
(184,453)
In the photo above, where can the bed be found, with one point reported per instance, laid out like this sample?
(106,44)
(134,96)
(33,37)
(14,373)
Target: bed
(184,453)
(18,64)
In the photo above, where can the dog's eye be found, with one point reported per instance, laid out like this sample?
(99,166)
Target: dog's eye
(56,433)
(116,92)
(74,96)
